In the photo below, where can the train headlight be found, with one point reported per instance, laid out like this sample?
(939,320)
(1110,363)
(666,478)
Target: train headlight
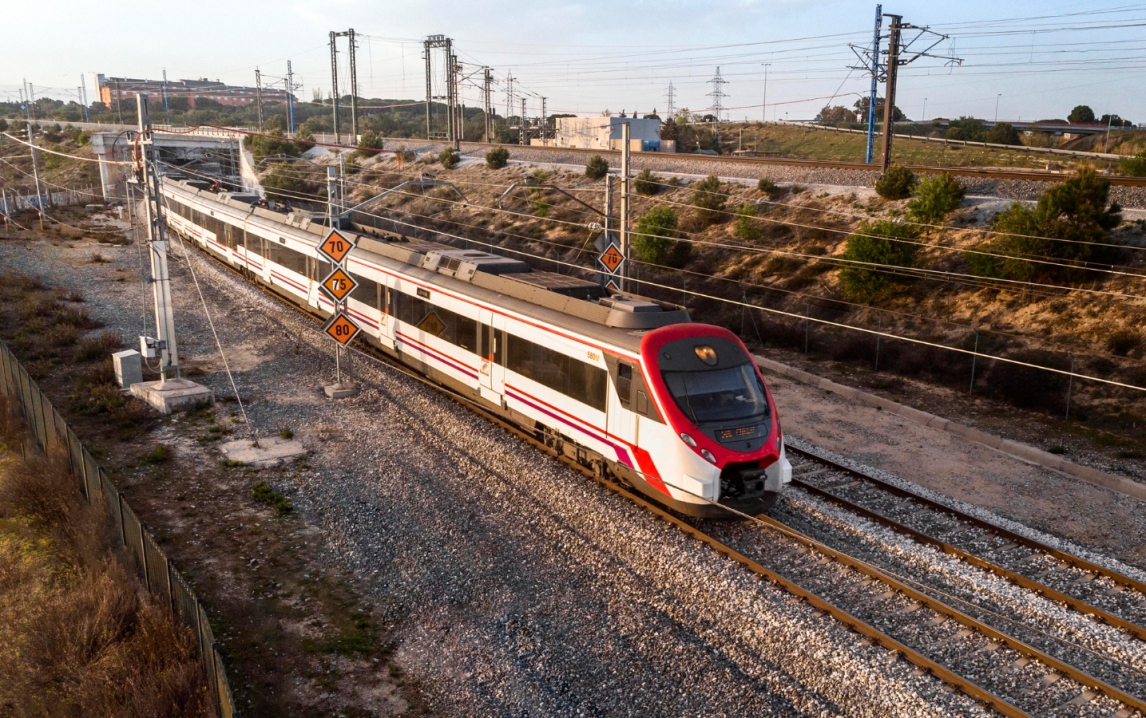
(688,439)
(779,442)
(708,456)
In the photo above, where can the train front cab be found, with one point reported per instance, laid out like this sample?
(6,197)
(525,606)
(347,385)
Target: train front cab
(722,440)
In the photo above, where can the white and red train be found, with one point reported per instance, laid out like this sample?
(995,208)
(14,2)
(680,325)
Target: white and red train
(621,384)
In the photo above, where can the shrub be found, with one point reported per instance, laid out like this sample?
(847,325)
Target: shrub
(1134,166)
(596,168)
(747,227)
(1003,133)
(709,200)
(647,183)
(160,455)
(934,197)
(655,238)
(286,183)
(877,243)
(1122,342)
(449,158)
(1076,210)
(369,144)
(773,190)
(1028,387)
(895,183)
(497,158)
(97,347)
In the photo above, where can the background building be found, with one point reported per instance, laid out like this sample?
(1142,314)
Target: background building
(604,133)
(112,89)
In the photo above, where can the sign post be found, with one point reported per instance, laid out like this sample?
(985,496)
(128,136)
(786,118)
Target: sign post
(338,285)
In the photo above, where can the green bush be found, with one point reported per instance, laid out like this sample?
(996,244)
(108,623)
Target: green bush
(647,183)
(284,182)
(497,158)
(655,239)
(369,144)
(934,197)
(709,200)
(895,183)
(1076,210)
(747,227)
(1003,133)
(1134,166)
(596,168)
(877,243)
(449,158)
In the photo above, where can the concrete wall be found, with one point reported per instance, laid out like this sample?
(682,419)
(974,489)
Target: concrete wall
(601,133)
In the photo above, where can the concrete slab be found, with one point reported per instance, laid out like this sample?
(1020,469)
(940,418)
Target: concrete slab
(173,394)
(271,451)
(340,391)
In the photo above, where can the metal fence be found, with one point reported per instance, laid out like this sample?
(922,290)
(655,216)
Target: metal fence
(51,436)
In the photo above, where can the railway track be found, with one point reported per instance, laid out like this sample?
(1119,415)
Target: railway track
(1004,673)
(982,173)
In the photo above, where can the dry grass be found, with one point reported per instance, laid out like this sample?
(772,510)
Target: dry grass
(78,635)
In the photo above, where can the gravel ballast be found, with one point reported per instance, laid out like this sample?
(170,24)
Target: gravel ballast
(511,584)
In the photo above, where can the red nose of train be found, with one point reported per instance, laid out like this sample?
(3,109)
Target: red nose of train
(712,393)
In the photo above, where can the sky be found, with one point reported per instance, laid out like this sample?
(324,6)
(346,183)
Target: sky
(1022,59)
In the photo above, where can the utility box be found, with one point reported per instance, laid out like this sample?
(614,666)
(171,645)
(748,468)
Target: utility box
(128,368)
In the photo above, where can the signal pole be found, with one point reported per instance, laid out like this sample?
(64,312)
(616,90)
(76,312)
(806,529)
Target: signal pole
(166,104)
(874,83)
(543,121)
(624,219)
(670,97)
(290,98)
(353,88)
(488,107)
(35,167)
(259,96)
(157,248)
(334,85)
(84,98)
(889,93)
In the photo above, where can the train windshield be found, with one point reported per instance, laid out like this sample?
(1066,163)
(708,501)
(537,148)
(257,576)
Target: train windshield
(719,396)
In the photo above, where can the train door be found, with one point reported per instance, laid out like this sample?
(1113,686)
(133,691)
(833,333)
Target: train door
(491,351)
(386,320)
(621,421)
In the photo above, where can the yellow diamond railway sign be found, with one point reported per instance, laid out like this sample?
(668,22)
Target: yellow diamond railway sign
(341,328)
(338,284)
(336,246)
(611,258)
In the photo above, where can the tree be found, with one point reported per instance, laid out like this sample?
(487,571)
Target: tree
(449,158)
(655,239)
(497,158)
(864,103)
(966,128)
(369,144)
(1076,210)
(934,197)
(1134,166)
(596,168)
(835,115)
(895,183)
(1115,121)
(647,183)
(747,227)
(708,200)
(877,243)
(1081,114)
(1003,133)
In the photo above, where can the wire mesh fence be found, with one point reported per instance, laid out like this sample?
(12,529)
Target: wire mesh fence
(51,436)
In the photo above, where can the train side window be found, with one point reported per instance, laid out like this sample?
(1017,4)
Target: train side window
(624,383)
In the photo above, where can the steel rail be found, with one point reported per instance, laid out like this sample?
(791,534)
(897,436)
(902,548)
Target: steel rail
(982,172)
(967,686)
(1030,543)
(915,657)
(1079,676)
(1014,577)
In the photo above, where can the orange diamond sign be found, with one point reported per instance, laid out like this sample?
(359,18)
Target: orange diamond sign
(336,246)
(611,258)
(341,329)
(338,284)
